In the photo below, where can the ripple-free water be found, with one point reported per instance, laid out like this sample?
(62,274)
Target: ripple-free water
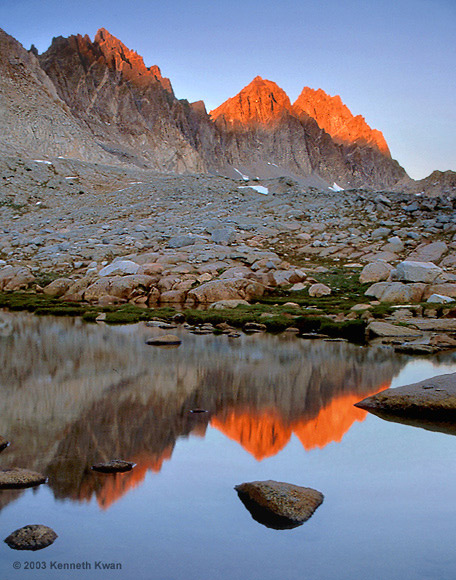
(278,408)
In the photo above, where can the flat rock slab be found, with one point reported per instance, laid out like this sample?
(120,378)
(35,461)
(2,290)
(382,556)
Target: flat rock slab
(114,466)
(433,398)
(378,328)
(277,504)
(166,340)
(31,537)
(436,324)
(16,477)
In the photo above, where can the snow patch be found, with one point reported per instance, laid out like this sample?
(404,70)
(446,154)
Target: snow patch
(259,188)
(244,177)
(42,161)
(336,187)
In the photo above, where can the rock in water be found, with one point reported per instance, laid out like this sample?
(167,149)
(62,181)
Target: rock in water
(114,466)
(31,537)
(433,398)
(3,443)
(16,478)
(279,505)
(166,340)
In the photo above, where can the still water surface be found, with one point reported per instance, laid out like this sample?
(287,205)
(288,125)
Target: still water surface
(278,408)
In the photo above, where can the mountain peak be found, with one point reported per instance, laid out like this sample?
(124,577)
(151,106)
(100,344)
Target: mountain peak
(127,61)
(336,119)
(261,101)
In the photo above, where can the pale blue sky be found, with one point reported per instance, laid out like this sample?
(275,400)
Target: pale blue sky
(392,61)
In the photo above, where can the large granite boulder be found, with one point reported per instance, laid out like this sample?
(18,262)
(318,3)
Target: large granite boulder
(119,267)
(410,271)
(432,252)
(396,292)
(228,289)
(375,272)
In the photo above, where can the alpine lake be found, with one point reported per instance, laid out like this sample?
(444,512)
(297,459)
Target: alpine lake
(197,420)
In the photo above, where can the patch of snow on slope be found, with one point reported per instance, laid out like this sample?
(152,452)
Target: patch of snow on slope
(336,187)
(244,177)
(259,188)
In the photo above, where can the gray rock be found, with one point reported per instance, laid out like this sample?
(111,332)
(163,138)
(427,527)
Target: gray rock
(181,241)
(119,267)
(435,398)
(429,252)
(224,236)
(375,272)
(31,537)
(291,503)
(222,304)
(410,271)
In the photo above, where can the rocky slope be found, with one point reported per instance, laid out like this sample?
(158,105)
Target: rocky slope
(33,119)
(97,100)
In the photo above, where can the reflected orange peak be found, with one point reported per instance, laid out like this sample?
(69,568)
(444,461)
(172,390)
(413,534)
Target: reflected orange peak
(264,433)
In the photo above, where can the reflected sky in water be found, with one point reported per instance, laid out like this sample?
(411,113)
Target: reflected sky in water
(278,408)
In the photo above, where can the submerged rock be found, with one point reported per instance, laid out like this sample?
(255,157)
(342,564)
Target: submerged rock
(433,398)
(114,466)
(16,478)
(31,537)
(277,504)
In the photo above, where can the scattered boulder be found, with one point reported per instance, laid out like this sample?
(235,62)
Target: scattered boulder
(432,252)
(181,241)
(439,299)
(58,287)
(222,304)
(228,289)
(224,236)
(318,290)
(114,466)
(277,504)
(410,271)
(375,272)
(396,292)
(13,278)
(165,340)
(31,537)
(17,477)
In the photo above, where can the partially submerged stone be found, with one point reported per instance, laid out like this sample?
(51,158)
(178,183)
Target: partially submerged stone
(17,477)
(3,443)
(114,466)
(165,340)
(433,398)
(31,537)
(277,504)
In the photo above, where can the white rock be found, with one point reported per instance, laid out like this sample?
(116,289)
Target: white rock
(439,299)
(119,267)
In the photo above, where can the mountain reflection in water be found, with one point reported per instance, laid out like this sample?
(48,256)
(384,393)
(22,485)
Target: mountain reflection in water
(76,394)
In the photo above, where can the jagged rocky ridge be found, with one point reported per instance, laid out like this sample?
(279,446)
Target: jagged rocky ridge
(98,101)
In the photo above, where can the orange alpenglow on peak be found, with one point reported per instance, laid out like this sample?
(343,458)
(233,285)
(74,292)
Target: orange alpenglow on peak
(337,120)
(261,101)
(127,61)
